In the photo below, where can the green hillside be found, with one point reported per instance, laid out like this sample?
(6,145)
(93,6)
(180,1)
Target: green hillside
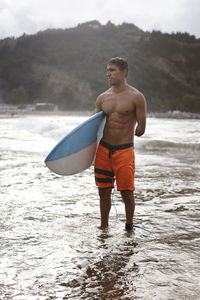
(68,67)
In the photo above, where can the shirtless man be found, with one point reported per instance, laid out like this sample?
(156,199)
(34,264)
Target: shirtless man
(125,109)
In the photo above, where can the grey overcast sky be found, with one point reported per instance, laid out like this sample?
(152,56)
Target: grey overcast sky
(30,16)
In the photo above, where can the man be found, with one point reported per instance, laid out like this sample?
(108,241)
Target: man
(125,109)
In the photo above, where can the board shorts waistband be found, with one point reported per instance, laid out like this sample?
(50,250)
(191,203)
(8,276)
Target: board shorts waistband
(114,148)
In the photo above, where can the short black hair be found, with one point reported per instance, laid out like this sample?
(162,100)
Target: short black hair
(120,62)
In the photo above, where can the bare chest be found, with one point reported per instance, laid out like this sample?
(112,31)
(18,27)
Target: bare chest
(118,104)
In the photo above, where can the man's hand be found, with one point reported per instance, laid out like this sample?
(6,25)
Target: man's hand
(140,115)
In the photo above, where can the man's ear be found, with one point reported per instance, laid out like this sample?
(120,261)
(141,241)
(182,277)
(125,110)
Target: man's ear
(125,72)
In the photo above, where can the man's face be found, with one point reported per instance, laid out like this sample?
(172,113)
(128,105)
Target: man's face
(115,74)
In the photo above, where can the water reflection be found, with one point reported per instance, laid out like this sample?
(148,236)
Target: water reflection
(108,271)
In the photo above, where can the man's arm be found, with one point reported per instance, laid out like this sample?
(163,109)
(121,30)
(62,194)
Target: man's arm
(140,115)
(98,104)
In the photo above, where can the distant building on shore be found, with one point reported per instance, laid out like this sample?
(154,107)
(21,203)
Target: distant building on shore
(14,109)
(26,108)
(45,107)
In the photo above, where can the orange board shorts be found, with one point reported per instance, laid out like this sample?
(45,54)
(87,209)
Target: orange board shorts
(115,163)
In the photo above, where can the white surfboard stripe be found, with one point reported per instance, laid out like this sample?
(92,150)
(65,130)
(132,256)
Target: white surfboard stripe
(74,163)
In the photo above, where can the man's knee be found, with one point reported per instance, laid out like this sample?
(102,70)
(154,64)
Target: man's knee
(127,195)
(105,193)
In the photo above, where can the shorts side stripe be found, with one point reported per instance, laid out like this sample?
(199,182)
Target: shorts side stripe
(104,172)
(104,180)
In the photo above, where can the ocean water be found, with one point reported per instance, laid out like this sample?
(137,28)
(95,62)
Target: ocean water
(50,244)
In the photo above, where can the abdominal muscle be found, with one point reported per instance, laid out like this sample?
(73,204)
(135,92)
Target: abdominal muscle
(119,129)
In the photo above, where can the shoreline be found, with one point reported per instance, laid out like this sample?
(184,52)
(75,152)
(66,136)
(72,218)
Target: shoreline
(174,115)
(159,115)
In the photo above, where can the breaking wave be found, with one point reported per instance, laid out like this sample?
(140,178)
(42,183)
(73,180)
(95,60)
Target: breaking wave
(161,144)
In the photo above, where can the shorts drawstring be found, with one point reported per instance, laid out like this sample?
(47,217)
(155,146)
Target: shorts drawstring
(111,152)
(112,148)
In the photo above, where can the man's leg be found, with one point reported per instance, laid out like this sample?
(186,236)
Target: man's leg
(129,201)
(105,205)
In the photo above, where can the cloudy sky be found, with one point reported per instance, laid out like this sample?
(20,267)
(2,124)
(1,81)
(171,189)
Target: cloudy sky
(30,16)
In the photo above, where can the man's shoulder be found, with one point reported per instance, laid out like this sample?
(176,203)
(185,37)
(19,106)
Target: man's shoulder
(107,92)
(133,90)
(103,95)
(135,93)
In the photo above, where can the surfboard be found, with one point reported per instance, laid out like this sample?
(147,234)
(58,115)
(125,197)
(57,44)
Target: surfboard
(76,151)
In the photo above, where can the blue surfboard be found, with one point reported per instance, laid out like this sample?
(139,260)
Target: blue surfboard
(76,151)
